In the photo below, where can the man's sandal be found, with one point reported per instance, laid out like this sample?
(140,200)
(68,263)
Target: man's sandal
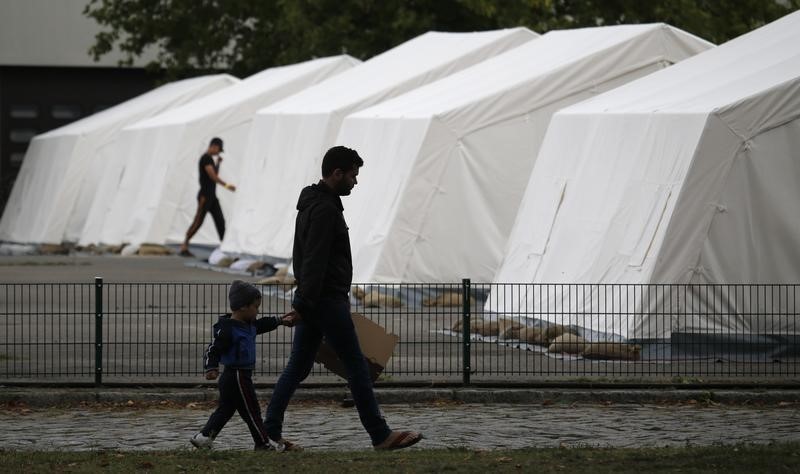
(399,440)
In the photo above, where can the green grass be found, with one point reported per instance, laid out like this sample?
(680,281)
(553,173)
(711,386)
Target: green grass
(765,458)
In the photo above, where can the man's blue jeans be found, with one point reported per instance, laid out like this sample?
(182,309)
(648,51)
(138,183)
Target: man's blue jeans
(332,319)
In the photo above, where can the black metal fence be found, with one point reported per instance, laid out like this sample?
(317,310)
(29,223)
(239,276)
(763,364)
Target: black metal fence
(456,333)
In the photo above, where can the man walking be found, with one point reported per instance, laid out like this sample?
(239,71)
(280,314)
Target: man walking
(324,269)
(207,196)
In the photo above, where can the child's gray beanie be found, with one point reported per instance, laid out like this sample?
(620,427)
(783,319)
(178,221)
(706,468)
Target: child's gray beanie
(242,294)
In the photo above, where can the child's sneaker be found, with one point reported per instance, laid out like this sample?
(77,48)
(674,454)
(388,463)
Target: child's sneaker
(200,441)
(283,445)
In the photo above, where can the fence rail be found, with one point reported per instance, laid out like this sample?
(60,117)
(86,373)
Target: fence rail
(461,332)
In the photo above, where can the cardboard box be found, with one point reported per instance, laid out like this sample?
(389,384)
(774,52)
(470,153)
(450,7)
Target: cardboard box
(376,344)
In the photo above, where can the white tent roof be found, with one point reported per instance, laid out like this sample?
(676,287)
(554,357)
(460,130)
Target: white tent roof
(447,164)
(290,137)
(63,167)
(156,197)
(689,175)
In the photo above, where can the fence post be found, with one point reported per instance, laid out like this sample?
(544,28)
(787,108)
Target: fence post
(465,330)
(98,331)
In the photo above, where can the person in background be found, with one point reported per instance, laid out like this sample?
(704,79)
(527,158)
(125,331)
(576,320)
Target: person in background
(207,201)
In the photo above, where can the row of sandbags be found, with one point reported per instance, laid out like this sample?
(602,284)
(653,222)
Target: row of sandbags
(378,299)
(67,249)
(557,338)
(280,277)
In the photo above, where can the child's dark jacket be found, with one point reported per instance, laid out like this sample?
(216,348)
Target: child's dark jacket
(234,342)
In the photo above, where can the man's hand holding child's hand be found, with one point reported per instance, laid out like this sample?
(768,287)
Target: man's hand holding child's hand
(291,318)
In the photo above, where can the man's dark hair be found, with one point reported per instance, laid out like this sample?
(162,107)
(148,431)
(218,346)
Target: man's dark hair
(340,157)
(216,141)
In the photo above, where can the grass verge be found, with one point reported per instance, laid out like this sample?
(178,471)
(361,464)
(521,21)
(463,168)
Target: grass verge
(730,459)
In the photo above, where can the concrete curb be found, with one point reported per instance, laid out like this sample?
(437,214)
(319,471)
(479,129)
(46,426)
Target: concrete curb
(44,397)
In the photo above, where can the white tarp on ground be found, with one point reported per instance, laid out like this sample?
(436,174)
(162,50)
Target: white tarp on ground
(157,196)
(63,168)
(689,175)
(289,138)
(447,164)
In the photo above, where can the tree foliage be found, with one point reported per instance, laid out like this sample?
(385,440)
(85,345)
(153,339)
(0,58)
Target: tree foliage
(245,36)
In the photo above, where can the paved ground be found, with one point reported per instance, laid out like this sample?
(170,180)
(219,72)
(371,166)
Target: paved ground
(325,427)
(116,268)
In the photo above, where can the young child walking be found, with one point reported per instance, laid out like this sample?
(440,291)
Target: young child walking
(234,345)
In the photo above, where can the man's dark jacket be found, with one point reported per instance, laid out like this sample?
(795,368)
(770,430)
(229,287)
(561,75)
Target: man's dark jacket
(323,265)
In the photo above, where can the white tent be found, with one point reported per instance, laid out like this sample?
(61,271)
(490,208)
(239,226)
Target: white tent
(63,168)
(689,175)
(156,200)
(447,164)
(289,138)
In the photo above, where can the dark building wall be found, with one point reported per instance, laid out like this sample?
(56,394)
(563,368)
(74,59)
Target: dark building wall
(34,100)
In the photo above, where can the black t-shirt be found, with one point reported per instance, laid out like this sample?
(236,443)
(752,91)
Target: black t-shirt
(208,187)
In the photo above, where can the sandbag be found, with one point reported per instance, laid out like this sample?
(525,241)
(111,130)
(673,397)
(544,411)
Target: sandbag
(449,299)
(568,343)
(457,325)
(277,280)
(282,271)
(506,324)
(509,328)
(510,332)
(115,249)
(272,280)
(153,249)
(358,292)
(53,249)
(376,299)
(612,351)
(485,328)
(532,336)
(553,331)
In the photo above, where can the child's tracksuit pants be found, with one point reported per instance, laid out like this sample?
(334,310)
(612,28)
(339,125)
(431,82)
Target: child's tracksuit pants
(236,393)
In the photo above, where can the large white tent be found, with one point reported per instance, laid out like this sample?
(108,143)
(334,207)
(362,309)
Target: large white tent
(62,168)
(289,138)
(156,197)
(447,164)
(689,175)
